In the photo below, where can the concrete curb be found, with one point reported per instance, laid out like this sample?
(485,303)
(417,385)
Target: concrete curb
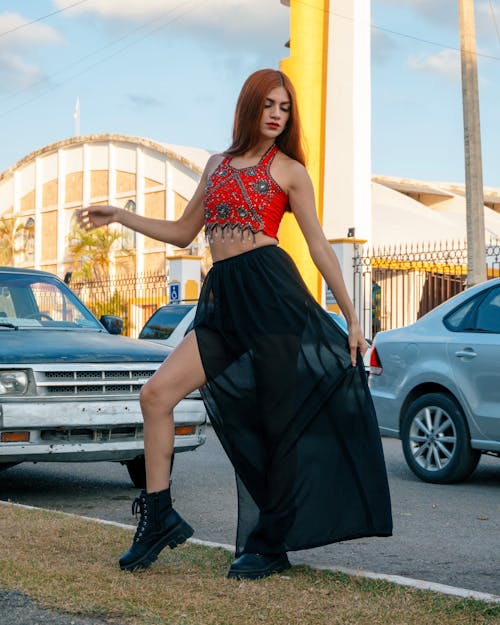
(418,584)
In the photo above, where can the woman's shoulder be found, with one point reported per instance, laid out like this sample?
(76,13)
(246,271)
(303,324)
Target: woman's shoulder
(214,160)
(290,163)
(288,169)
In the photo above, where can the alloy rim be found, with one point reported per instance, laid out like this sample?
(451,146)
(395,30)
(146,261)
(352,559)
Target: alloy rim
(433,438)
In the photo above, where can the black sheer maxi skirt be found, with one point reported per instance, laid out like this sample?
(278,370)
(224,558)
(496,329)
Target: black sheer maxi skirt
(294,416)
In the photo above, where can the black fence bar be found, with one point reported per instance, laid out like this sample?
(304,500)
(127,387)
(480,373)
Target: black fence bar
(408,281)
(398,284)
(133,298)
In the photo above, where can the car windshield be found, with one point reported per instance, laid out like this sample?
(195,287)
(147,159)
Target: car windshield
(164,321)
(38,301)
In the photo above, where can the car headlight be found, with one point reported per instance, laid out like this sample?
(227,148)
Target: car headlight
(13,382)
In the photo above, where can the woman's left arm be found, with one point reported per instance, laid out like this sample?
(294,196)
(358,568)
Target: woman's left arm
(301,197)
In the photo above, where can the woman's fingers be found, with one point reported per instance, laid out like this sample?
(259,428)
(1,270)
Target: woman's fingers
(85,219)
(93,216)
(81,217)
(357,341)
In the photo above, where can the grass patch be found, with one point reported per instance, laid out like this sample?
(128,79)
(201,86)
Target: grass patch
(70,564)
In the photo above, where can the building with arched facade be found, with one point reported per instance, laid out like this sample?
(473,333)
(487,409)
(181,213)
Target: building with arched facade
(44,189)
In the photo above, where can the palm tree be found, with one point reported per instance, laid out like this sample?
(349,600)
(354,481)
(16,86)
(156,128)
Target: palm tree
(93,250)
(10,228)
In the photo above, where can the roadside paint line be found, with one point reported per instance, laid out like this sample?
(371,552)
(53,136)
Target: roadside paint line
(418,584)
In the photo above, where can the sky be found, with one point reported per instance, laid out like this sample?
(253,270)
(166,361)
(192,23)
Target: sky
(171,70)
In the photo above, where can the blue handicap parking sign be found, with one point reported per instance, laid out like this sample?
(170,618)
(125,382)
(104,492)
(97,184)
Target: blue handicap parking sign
(173,292)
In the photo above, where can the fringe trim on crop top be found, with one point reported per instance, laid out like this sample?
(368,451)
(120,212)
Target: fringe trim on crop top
(246,200)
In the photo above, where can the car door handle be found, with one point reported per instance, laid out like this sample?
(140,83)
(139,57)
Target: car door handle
(466,353)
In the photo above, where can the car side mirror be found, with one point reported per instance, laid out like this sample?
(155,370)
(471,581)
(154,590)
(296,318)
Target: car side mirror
(114,325)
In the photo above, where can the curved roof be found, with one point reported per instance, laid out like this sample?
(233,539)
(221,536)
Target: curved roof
(397,218)
(192,160)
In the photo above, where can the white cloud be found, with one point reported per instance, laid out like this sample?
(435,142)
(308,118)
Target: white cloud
(18,34)
(445,64)
(223,22)
(256,14)
(444,13)
(17,73)
(17,45)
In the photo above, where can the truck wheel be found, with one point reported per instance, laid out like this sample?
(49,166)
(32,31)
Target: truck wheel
(137,470)
(436,441)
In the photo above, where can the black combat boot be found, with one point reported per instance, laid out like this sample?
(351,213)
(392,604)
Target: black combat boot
(159,525)
(257,565)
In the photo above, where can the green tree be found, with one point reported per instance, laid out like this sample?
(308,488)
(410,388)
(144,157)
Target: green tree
(92,251)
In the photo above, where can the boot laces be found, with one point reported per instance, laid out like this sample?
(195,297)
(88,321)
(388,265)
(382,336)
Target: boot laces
(140,507)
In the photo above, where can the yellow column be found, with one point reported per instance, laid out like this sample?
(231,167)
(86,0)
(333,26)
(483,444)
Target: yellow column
(306,67)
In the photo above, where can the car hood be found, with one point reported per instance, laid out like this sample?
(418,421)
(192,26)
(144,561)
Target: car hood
(59,346)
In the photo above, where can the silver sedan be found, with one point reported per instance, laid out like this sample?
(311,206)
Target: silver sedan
(436,385)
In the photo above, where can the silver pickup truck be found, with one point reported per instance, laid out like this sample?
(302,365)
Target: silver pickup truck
(69,384)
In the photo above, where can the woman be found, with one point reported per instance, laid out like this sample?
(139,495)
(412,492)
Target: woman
(285,392)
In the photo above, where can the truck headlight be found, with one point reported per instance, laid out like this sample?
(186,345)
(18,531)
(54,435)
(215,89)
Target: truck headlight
(13,382)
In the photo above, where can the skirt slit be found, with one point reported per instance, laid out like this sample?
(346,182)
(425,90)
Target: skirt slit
(293,415)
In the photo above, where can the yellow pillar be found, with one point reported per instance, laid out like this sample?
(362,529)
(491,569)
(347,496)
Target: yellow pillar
(306,67)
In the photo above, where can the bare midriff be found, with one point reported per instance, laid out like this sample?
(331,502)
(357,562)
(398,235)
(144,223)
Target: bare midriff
(226,248)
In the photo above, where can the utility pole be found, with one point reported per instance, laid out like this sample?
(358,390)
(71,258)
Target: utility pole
(476,248)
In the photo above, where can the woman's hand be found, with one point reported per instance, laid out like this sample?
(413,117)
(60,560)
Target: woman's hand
(356,341)
(96,216)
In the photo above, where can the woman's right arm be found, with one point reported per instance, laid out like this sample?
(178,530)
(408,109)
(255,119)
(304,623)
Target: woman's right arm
(180,232)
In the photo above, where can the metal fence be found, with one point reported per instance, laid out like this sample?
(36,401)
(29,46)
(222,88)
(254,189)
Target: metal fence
(133,298)
(395,286)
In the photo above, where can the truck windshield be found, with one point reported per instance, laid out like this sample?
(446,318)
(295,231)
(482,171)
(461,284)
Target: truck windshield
(37,301)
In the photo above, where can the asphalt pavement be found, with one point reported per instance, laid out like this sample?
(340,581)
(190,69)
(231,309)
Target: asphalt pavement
(18,609)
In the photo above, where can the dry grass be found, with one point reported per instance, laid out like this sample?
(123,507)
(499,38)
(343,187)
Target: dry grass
(71,564)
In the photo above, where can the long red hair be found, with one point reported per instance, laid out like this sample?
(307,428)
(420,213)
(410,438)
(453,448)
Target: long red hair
(249,108)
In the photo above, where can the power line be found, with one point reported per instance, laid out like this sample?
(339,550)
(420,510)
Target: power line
(396,32)
(494,18)
(84,57)
(167,23)
(432,43)
(43,17)
(113,54)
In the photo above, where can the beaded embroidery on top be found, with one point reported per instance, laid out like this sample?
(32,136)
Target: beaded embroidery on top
(246,200)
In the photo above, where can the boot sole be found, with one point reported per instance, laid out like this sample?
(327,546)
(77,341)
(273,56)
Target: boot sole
(278,567)
(177,536)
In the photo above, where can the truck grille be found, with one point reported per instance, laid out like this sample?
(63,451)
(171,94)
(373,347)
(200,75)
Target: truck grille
(82,435)
(91,383)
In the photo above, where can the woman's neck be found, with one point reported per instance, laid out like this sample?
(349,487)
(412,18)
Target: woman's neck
(258,150)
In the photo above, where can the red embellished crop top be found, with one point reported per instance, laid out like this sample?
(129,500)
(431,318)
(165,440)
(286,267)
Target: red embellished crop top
(248,200)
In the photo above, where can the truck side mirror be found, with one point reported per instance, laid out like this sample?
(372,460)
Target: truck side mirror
(114,325)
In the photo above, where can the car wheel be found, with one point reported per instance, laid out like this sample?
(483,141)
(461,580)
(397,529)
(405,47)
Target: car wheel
(436,441)
(137,470)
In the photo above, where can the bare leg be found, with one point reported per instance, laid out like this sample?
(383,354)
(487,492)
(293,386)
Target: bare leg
(179,375)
